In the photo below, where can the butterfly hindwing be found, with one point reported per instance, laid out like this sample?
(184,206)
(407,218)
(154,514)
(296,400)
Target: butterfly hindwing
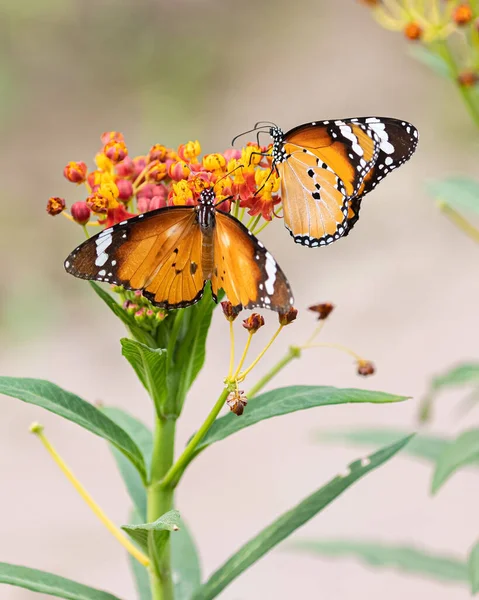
(245,270)
(159,252)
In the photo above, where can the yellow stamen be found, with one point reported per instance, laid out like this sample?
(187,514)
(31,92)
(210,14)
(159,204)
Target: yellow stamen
(37,429)
(260,356)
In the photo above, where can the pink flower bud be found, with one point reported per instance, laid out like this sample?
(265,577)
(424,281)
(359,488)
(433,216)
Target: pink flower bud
(75,172)
(143,204)
(178,170)
(115,151)
(111,136)
(146,191)
(232,154)
(139,164)
(80,212)
(125,168)
(157,202)
(125,189)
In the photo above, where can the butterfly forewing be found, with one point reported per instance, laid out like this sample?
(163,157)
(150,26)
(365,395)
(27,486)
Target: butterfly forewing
(245,270)
(158,252)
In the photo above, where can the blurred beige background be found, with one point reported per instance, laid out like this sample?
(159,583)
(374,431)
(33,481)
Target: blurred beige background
(404,282)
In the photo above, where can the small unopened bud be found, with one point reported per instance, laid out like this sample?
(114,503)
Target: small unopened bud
(36,428)
(253,322)
(125,168)
(157,202)
(365,368)
(130,307)
(289,317)
(97,203)
(413,31)
(462,14)
(75,172)
(116,151)
(237,401)
(323,310)
(125,189)
(80,212)
(111,136)
(140,315)
(230,311)
(157,172)
(55,206)
(157,152)
(178,170)
(467,78)
(161,315)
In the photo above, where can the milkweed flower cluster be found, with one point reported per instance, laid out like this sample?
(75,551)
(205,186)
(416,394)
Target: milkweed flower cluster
(121,186)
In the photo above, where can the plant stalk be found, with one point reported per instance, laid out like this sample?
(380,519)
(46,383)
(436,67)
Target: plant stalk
(293,352)
(159,501)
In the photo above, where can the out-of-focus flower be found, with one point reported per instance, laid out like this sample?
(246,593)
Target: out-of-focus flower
(467,78)
(125,189)
(365,368)
(237,402)
(125,168)
(462,14)
(178,170)
(139,164)
(157,172)
(111,136)
(289,317)
(80,212)
(75,172)
(55,206)
(230,311)
(115,151)
(116,215)
(253,323)
(214,162)
(323,310)
(413,31)
(190,151)
(157,152)
(109,190)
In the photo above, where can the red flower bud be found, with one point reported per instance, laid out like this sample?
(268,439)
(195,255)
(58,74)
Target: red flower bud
(143,204)
(365,368)
(413,31)
(125,168)
(157,152)
(80,212)
(97,203)
(289,317)
(55,206)
(323,310)
(253,322)
(115,151)
(125,189)
(230,311)
(75,172)
(111,136)
(237,401)
(462,14)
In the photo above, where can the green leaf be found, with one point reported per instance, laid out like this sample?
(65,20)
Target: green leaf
(461,452)
(427,447)
(136,331)
(143,438)
(404,558)
(47,583)
(267,539)
(458,192)
(170,521)
(431,60)
(185,564)
(69,406)
(473,568)
(283,401)
(463,374)
(151,367)
(140,573)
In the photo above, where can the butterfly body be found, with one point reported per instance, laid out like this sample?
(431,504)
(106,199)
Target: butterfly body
(170,253)
(327,167)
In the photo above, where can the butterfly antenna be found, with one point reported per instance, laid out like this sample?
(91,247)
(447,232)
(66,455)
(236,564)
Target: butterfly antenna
(255,128)
(265,124)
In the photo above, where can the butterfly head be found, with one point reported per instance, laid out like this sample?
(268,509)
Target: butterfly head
(279,154)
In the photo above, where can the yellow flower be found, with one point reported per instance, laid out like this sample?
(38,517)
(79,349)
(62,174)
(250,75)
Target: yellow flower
(182,193)
(109,190)
(190,151)
(235,169)
(214,162)
(104,163)
(262,178)
(251,156)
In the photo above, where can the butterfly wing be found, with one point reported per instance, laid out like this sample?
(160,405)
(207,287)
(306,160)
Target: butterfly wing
(158,252)
(325,165)
(398,142)
(245,270)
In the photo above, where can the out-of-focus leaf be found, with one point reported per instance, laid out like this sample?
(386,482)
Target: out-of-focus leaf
(136,331)
(151,367)
(47,583)
(170,521)
(461,452)
(283,401)
(185,564)
(463,374)
(459,192)
(69,406)
(430,59)
(404,558)
(473,569)
(285,525)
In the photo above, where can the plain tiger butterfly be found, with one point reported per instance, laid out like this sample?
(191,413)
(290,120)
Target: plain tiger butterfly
(327,167)
(170,253)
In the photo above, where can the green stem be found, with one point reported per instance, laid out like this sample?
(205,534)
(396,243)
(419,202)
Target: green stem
(160,501)
(464,90)
(172,477)
(293,352)
(459,221)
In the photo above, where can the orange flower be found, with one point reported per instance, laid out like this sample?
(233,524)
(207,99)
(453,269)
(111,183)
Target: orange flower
(75,172)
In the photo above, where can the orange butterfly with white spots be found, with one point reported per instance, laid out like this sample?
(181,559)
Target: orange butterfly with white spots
(170,253)
(327,167)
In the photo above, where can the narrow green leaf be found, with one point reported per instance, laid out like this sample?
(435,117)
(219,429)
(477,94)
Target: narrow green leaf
(185,564)
(427,447)
(431,60)
(461,452)
(458,192)
(140,573)
(136,331)
(462,374)
(473,569)
(403,558)
(170,521)
(283,401)
(69,406)
(151,367)
(143,438)
(267,539)
(47,583)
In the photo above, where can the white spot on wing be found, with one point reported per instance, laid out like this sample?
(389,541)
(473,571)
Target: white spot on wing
(271,269)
